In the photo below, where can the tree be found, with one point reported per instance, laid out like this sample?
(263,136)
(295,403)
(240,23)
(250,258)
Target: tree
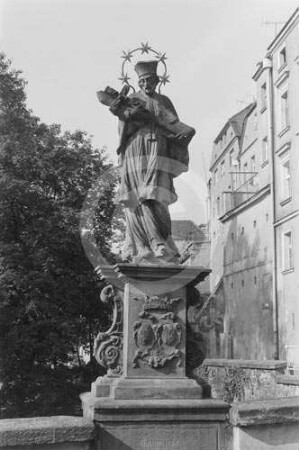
(49,293)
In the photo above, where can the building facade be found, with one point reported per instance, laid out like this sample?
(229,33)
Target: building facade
(240,238)
(255,212)
(281,69)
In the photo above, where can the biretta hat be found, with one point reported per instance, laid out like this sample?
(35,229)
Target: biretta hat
(146,68)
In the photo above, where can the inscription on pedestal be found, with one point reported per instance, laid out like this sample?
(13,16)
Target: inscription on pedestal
(184,436)
(160,443)
(157,335)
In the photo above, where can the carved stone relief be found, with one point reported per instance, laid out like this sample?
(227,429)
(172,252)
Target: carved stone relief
(157,335)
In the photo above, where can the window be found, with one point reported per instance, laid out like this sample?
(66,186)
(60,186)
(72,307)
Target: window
(285,181)
(255,121)
(223,203)
(235,181)
(222,168)
(265,149)
(252,169)
(282,57)
(245,169)
(216,175)
(284,109)
(231,157)
(264,96)
(235,176)
(218,206)
(287,251)
(285,178)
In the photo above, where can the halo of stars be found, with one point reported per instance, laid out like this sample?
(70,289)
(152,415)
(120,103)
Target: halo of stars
(144,49)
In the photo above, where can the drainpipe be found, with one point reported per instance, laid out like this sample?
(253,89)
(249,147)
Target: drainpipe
(267,65)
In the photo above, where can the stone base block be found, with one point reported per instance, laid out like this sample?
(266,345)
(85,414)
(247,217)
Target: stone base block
(148,388)
(102,387)
(151,388)
(157,424)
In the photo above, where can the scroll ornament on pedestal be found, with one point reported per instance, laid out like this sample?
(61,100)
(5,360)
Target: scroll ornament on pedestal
(108,345)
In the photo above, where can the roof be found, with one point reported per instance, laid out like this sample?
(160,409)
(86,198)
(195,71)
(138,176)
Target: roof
(244,128)
(187,230)
(291,21)
(237,122)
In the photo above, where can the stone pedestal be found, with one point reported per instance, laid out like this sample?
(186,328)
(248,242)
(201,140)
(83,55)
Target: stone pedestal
(158,424)
(150,403)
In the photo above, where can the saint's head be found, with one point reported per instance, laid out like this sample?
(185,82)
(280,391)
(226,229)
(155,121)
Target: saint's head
(147,76)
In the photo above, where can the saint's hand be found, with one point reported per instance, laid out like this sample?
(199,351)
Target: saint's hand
(184,136)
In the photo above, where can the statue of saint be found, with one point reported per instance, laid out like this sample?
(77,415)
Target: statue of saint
(153,151)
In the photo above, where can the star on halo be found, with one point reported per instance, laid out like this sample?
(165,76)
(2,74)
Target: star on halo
(145,48)
(124,78)
(164,79)
(127,56)
(161,57)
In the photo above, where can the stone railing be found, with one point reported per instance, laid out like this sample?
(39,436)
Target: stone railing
(47,433)
(240,380)
(265,425)
(258,424)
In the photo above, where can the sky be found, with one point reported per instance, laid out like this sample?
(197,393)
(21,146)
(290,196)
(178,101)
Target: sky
(69,49)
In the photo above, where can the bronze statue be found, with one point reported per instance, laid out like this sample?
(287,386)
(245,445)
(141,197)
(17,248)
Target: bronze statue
(153,151)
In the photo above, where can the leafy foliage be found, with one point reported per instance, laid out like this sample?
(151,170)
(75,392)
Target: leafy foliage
(49,293)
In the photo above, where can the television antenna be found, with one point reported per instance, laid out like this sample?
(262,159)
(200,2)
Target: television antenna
(272,24)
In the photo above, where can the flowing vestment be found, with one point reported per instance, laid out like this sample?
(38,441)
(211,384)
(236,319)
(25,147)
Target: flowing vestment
(149,161)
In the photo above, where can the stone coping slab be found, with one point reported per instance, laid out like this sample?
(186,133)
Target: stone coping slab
(259,412)
(246,363)
(45,430)
(289,380)
(155,272)
(181,275)
(107,409)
